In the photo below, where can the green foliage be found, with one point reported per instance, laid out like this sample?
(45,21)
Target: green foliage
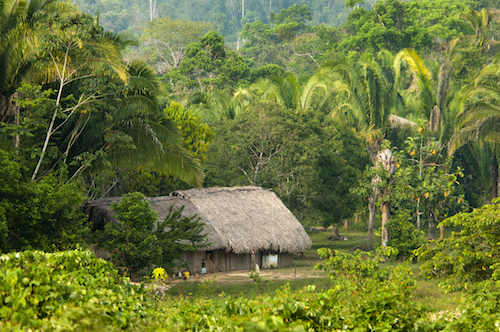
(352,3)
(257,279)
(360,266)
(177,235)
(38,215)
(35,104)
(395,25)
(196,136)
(468,259)
(207,66)
(71,290)
(380,296)
(340,166)
(404,236)
(268,71)
(425,175)
(309,164)
(226,17)
(290,21)
(295,13)
(479,312)
(165,39)
(130,240)
(257,34)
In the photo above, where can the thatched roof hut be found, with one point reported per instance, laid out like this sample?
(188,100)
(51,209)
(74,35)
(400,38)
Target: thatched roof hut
(237,220)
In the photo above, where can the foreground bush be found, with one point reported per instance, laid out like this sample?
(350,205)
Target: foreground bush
(74,291)
(70,290)
(467,260)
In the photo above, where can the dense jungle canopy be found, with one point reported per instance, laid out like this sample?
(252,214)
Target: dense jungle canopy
(107,98)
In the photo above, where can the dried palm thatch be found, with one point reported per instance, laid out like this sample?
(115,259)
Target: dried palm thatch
(237,219)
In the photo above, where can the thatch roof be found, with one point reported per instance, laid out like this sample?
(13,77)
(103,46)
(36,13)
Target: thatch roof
(236,219)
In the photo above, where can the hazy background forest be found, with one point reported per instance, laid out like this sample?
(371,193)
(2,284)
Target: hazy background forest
(225,17)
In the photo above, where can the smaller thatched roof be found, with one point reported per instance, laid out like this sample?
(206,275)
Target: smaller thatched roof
(236,219)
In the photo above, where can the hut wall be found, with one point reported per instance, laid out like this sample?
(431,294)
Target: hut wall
(285,259)
(193,260)
(221,261)
(239,262)
(258,258)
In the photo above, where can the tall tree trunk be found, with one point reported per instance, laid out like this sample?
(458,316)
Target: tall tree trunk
(371,218)
(17,122)
(386,210)
(494,173)
(432,227)
(442,230)
(418,213)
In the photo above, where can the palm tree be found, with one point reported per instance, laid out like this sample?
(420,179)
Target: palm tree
(135,134)
(316,94)
(481,22)
(479,119)
(20,28)
(69,55)
(434,103)
(422,78)
(44,51)
(219,105)
(374,101)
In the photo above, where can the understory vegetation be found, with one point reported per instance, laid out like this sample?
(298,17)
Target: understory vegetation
(73,290)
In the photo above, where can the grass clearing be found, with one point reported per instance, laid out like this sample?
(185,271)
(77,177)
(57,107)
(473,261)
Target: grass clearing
(248,290)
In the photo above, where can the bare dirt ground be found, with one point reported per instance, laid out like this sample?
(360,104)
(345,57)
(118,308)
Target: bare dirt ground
(303,271)
(243,276)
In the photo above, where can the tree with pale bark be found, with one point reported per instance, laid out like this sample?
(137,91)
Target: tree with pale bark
(165,39)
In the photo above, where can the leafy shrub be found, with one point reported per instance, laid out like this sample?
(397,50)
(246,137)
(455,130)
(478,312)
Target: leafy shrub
(40,215)
(184,234)
(137,240)
(466,259)
(131,241)
(404,236)
(74,291)
(255,276)
(63,291)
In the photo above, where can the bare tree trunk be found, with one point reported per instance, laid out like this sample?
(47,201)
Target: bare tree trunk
(418,213)
(152,9)
(233,11)
(335,234)
(17,122)
(442,230)
(371,218)
(494,173)
(432,227)
(49,129)
(386,210)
